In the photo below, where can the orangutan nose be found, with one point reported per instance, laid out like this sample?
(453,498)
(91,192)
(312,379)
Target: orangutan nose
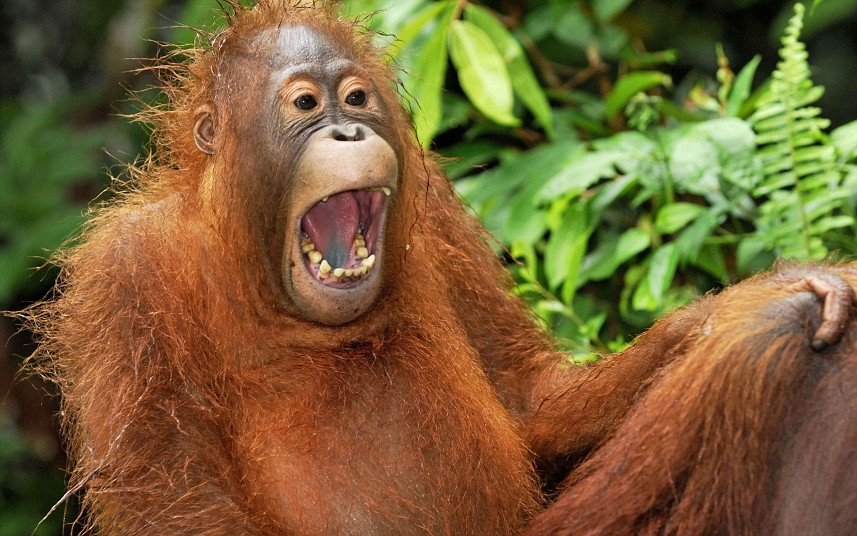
(351,132)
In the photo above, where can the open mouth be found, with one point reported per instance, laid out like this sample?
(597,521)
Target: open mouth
(340,236)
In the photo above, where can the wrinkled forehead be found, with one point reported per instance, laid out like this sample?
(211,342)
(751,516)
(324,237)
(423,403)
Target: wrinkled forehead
(297,45)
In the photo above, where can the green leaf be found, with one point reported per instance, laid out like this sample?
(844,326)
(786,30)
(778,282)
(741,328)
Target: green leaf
(421,22)
(845,140)
(742,88)
(605,10)
(753,255)
(426,84)
(197,14)
(518,169)
(463,158)
(574,27)
(566,247)
(389,17)
(525,222)
(710,259)
(606,259)
(524,82)
(692,239)
(717,149)
(675,216)
(482,72)
(612,40)
(505,197)
(584,170)
(662,270)
(631,84)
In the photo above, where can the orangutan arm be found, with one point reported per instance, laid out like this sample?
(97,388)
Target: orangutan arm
(574,408)
(746,431)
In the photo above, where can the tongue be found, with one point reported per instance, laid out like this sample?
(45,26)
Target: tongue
(331,225)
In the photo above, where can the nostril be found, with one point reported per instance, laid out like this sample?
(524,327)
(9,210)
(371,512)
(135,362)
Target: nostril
(347,133)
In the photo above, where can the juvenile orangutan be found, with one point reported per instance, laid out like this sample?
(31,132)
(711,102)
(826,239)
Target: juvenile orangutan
(291,326)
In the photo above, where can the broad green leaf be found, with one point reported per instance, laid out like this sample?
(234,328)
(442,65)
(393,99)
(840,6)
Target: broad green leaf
(525,222)
(692,239)
(710,259)
(741,88)
(463,158)
(391,16)
(845,140)
(606,259)
(519,168)
(505,196)
(566,247)
(662,270)
(636,153)
(574,27)
(421,22)
(584,170)
(612,40)
(713,150)
(456,111)
(426,84)
(675,216)
(629,85)
(197,14)
(539,22)
(481,72)
(605,10)
(609,192)
(524,82)
(752,256)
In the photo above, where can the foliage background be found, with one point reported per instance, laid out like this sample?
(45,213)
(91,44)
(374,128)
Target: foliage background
(593,191)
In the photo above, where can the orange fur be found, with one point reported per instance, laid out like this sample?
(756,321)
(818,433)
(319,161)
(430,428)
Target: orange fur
(197,402)
(748,431)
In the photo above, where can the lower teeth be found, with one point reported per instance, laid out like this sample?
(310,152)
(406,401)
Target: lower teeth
(315,257)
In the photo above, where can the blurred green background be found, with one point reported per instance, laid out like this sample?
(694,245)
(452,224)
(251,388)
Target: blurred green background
(66,76)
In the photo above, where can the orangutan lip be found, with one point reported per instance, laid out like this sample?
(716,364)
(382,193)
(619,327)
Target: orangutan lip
(339,235)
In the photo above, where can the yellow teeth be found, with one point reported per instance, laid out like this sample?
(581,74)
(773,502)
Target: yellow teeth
(325,270)
(384,189)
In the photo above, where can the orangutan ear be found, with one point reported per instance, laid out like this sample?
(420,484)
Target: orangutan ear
(204,128)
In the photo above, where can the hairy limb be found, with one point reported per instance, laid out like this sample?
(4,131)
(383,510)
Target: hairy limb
(574,407)
(709,444)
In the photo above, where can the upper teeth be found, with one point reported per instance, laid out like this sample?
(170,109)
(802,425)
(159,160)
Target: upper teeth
(384,189)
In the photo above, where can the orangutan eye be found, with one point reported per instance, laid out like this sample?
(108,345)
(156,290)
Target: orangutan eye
(305,102)
(356,98)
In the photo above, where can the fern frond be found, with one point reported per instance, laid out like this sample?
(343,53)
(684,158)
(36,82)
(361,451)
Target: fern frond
(802,183)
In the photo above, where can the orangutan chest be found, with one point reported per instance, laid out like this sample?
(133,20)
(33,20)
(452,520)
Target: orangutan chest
(382,463)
